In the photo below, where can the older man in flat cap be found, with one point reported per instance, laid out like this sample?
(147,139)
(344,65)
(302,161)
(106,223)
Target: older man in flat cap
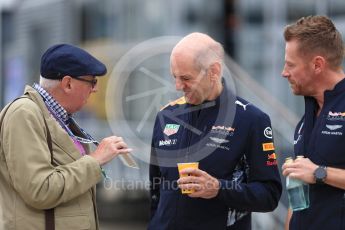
(47,174)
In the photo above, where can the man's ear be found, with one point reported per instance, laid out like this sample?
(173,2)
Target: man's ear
(66,83)
(319,64)
(215,71)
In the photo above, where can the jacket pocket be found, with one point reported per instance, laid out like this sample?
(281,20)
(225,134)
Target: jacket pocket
(80,222)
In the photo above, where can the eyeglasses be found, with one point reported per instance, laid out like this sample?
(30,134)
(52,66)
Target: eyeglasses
(93,82)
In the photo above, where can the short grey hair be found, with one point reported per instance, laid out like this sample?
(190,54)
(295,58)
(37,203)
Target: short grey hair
(48,84)
(209,55)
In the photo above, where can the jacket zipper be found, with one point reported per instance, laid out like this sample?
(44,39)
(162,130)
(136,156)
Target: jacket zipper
(198,112)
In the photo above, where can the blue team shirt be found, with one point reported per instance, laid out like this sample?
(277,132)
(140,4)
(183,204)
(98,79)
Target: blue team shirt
(184,133)
(322,140)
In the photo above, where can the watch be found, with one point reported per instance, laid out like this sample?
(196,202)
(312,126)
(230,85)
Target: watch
(320,174)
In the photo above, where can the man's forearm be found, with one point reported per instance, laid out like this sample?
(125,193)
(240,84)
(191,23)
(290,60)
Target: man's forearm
(335,177)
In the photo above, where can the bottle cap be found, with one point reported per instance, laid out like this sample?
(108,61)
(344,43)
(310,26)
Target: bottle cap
(288,160)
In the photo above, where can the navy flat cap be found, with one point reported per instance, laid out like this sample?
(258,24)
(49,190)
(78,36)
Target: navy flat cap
(64,59)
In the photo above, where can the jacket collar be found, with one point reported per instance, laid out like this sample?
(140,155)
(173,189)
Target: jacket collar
(338,89)
(311,104)
(59,111)
(58,134)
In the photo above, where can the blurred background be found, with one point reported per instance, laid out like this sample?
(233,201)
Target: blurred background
(250,30)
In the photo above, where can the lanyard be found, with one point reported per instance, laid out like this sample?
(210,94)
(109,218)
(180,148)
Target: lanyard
(88,140)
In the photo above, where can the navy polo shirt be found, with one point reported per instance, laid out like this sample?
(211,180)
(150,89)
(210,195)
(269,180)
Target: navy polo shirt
(322,140)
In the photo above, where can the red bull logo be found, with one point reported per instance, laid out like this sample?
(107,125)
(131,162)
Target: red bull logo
(336,114)
(219,127)
(271,159)
(223,130)
(272,156)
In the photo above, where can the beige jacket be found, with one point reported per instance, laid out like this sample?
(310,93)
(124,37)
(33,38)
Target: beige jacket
(29,183)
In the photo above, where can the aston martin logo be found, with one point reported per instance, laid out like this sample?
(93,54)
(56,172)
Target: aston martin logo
(219,140)
(334,127)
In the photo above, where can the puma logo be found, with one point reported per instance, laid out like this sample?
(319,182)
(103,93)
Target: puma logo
(241,104)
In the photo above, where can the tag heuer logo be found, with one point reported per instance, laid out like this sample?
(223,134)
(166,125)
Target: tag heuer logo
(171,129)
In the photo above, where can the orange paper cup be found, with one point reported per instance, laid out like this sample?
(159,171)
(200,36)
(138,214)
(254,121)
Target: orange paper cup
(182,166)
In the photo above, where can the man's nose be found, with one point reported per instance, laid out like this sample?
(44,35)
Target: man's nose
(284,73)
(94,89)
(178,84)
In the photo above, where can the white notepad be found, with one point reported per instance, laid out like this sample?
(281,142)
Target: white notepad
(128,160)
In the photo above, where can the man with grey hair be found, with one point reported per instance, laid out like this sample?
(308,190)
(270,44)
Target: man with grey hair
(47,172)
(230,138)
